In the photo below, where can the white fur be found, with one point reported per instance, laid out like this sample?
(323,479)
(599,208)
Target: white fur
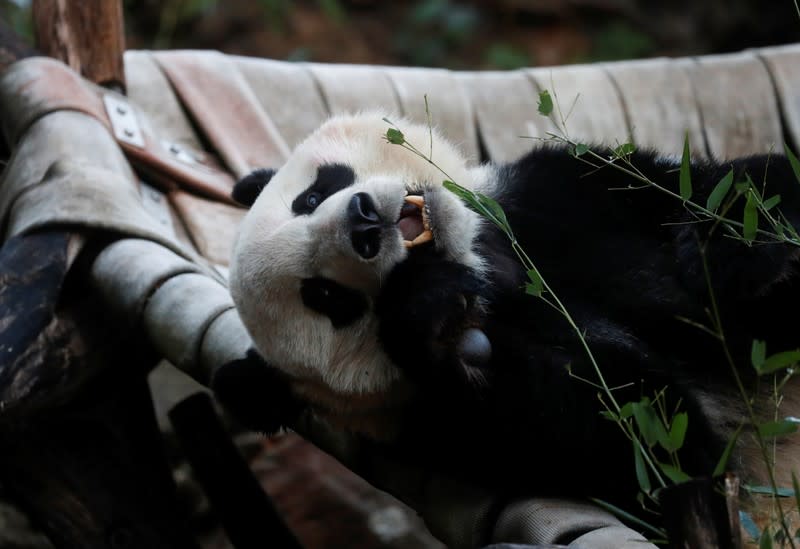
(276,250)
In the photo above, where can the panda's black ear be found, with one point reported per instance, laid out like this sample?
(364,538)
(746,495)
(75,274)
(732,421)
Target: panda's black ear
(255,394)
(247,189)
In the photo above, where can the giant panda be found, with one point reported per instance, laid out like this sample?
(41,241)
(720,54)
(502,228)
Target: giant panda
(378,301)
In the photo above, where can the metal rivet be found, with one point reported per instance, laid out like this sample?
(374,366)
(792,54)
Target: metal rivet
(174,149)
(121,109)
(128,132)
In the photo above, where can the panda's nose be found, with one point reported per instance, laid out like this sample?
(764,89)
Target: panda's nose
(365,225)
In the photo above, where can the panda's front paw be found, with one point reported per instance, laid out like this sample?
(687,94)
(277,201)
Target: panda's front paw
(430,320)
(255,394)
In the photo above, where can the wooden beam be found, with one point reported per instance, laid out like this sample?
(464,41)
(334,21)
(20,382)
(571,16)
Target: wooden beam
(87,35)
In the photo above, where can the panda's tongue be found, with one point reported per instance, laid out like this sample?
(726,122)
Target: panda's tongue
(410,227)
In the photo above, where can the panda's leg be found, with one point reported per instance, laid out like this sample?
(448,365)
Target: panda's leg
(255,394)
(430,314)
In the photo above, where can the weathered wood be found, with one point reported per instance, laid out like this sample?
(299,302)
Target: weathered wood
(783,64)
(91,472)
(353,88)
(703,513)
(449,105)
(212,225)
(659,100)
(236,498)
(225,109)
(89,36)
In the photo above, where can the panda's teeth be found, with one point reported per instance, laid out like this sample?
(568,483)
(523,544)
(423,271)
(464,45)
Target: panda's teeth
(419,202)
(424,236)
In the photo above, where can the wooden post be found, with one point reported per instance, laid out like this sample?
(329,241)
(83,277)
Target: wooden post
(87,35)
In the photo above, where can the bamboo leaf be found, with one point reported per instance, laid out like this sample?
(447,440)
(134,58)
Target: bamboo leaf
(792,161)
(395,137)
(750,220)
(677,431)
(720,191)
(641,470)
(686,171)
(758,354)
(766,540)
(771,202)
(536,285)
(580,149)
(625,149)
(796,486)
(773,429)
(722,464)
(545,103)
(779,361)
(649,423)
(673,473)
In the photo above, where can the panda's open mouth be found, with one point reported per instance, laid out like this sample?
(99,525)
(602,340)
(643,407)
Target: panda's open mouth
(414,222)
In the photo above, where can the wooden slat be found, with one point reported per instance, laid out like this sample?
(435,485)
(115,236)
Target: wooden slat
(211,225)
(225,108)
(150,90)
(589,103)
(280,87)
(738,105)
(449,105)
(659,100)
(354,88)
(784,65)
(505,106)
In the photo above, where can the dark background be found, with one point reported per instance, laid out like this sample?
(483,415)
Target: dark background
(479,34)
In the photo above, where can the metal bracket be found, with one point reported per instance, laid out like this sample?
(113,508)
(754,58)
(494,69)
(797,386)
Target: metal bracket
(179,152)
(123,120)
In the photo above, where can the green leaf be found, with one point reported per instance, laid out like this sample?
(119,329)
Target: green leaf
(641,470)
(677,431)
(722,464)
(497,213)
(625,149)
(686,171)
(766,540)
(758,354)
(673,473)
(545,103)
(796,486)
(792,161)
(536,285)
(580,149)
(779,361)
(609,415)
(771,202)
(772,429)
(750,220)
(720,191)
(395,137)
(626,411)
(649,423)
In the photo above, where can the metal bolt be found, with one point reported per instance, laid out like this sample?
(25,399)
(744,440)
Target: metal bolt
(128,132)
(121,109)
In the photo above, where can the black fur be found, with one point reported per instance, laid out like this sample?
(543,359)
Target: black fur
(247,189)
(341,304)
(255,394)
(331,178)
(627,266)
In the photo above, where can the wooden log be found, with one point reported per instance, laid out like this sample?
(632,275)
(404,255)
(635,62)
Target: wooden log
(242,506)
(89,36)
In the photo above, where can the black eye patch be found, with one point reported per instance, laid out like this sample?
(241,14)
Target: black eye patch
(331,178)
(341,305)
(250,186)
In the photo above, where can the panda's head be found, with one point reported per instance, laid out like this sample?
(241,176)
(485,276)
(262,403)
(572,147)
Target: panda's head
(320,238)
